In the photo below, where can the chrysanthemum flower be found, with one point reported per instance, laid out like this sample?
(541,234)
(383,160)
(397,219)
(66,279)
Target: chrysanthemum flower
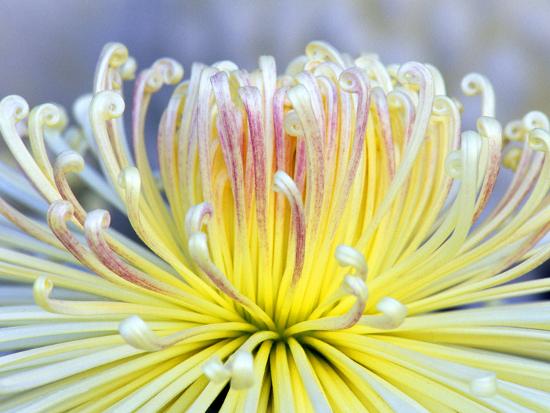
(308,242)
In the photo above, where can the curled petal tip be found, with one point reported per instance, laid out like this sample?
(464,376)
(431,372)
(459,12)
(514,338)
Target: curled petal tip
(353,80)
(443,106)
(536,120)
(128,69)
(414,73)
(215,370)
(41,291)
(476,84)
(14,107)
(108,104)
(115,54)
(50,115)
(282,181)
(70,161)
(292,124)
(226,66)
(323,51)
(472,84)
(242,370)
(129,178)
(60,210)
(239,369)
(488,126)
(454,164)
(97,220)
(393,310)
(137,334)
(355,286)
(349,257)
(198,246)
(514,131)
(197,216)
(539,140)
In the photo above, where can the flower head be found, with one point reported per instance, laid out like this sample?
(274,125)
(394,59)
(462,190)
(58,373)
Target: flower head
(306,242)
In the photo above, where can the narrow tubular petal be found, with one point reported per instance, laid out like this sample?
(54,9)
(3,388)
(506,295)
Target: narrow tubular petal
(311,383)
(284,184)
(13,109)
(354,286)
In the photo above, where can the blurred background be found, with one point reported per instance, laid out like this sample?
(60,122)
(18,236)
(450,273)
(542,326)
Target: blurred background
(48,49)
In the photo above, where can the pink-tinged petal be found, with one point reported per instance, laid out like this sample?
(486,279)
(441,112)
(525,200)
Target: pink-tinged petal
(383,117)
(96,223)
(284,184)
(197,216)
(515,199)
(149,82)
(300,166)
(416,74)
(353,81)
(230,135)
(399,100)
(491,131)
(202,129)
(187,141)
(252,101)
(198,247)
(58,214)
(27,225)
(280,140)
(168,148)
(268,69)
(307,125)
(330,94)
(69,162)
(351,285)
(113,56)
(307,80)
(528,162)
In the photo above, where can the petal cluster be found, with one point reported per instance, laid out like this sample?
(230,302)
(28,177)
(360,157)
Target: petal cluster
(310,241)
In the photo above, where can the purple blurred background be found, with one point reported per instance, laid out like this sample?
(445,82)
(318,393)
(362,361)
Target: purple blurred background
(49,48)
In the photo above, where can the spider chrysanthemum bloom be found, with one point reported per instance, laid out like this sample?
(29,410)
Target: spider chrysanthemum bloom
(307,244)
